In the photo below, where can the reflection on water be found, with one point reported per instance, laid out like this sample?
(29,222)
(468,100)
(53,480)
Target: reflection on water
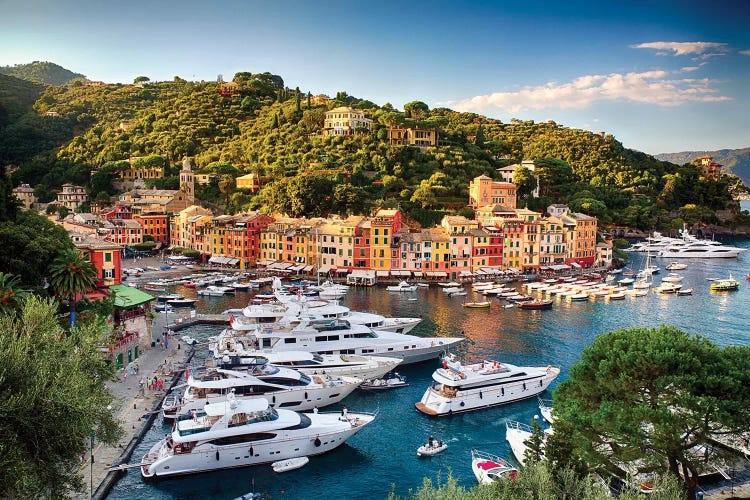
(383,454)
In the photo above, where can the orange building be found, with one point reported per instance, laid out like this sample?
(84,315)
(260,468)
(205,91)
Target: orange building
(484,191)
(155,225)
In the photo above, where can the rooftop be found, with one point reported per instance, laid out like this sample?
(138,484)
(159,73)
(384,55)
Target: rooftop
(127,296)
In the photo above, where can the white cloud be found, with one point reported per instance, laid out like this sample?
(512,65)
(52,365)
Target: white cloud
(650,87)
(688,69)
(684,48)
(745,52)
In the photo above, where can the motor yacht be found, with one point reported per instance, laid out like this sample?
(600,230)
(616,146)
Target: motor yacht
(282,387)
(458,388)
(488,468)
(402,287)
(334,336)
(239,433)
(216,291)
(335,365)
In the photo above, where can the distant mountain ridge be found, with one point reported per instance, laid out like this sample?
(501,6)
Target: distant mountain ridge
(44,72)
(736,161)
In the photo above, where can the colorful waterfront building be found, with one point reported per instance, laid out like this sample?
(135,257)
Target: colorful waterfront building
(581,239)
(487,250)
(126,232)
(458,229)
(553,248)
(183,226)
(362,250)
(156,226)
(484,191)
(383,226)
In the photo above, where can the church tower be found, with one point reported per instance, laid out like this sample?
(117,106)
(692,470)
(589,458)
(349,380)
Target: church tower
(187,180)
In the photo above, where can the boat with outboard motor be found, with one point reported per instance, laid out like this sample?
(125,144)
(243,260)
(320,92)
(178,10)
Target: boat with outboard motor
(239,433)
(335,336)
(402,287)
(458,388)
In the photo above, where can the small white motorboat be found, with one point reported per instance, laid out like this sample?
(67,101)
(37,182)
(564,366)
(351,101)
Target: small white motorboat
(686,291)
(381,384)
(423,285)
(488,468)
(427,450)
(290,464)
(676,266)
(402,287)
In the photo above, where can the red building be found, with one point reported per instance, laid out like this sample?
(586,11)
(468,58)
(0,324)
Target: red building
(104,255)
(488,247)
(362,245)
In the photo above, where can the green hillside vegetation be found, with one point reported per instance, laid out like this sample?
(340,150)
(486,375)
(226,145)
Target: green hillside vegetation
(276,132)
(42,72)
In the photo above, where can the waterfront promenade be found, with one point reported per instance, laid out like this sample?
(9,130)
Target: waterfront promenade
(133,408)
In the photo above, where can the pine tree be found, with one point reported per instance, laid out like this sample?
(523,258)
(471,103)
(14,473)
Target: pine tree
(534,444)
(479,139)
(297,106)
(275,123)
(309,100)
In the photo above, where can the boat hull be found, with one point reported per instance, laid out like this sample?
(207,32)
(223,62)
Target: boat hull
(207,456)
(434,403)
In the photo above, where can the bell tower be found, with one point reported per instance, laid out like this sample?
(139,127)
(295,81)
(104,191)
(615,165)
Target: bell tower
(187,180)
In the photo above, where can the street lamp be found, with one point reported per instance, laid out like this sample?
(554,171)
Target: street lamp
(91,467)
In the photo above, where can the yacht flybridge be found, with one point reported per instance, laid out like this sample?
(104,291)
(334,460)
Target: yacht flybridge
(238,433)
(335,336)
(459,388)
(282,387)
(335,365)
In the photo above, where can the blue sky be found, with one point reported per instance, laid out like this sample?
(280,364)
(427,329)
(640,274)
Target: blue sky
(660,76)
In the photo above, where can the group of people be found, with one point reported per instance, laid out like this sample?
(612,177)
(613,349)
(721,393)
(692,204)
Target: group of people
(152,383)
(432,443)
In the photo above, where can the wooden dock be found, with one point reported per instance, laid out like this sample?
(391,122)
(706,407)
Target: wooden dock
(212,319)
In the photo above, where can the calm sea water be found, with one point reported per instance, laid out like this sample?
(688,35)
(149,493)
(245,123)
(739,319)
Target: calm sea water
(383,458)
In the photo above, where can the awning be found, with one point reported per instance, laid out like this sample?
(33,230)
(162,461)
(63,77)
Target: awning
(559,267)
(417,274)
(324,270)
(436,274)
(465,273)
(265,262)
(381,274)
(296,268)
(576,265)
(491,270)
(362,273)
(400,273)
(342,270)
(224,261)
(307,269)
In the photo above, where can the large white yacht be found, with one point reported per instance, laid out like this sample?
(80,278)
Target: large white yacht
(282,387)
(517,434)
(700,249)
(335,336)
(238,433)
(335,365)
(459,388)
(319,309)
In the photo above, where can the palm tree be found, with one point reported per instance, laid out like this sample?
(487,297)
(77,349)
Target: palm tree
(11,295)
(71,274)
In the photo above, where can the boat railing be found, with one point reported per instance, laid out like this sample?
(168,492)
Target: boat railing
(519,426)
(484,455)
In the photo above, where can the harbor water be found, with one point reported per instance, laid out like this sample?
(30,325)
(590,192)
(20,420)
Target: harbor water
(382,458)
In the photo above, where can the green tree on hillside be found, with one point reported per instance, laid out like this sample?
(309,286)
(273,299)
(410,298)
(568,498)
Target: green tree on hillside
(54,396)
(525,182)
(141,79)
(653,419)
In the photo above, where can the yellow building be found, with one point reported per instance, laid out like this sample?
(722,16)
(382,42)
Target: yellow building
(553,248)
(345,121)
(250,181)
(182,227)
(421,138)
(484,191)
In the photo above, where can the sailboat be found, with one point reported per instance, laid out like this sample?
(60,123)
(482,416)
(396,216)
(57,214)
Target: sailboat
(643,280)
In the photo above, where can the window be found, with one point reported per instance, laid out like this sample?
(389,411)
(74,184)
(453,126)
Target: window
(108,257)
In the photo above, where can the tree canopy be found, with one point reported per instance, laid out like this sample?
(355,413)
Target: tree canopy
(52,385)
(644,399)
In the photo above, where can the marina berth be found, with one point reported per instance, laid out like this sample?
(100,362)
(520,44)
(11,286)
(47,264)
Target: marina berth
(458,388)
(238,433)
(334,336)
